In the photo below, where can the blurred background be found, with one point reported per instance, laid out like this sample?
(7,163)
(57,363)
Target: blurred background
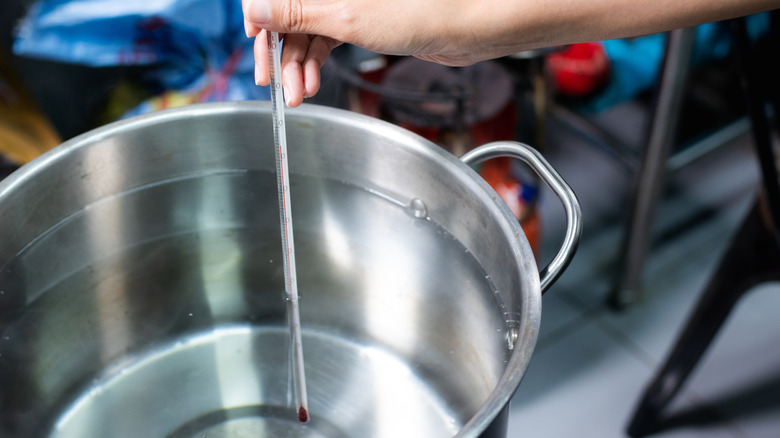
(654,134)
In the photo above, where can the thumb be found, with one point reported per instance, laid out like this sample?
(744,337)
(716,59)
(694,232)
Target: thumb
(288,16)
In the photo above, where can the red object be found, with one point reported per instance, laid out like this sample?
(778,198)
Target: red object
(303,415)
(579,70)
(498,173)
(370,103)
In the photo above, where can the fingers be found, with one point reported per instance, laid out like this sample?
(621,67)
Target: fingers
(302,58)
(316,55)
(302,54)
(293,54)
(250,29)
(257,12)
(291,16)
(262,76)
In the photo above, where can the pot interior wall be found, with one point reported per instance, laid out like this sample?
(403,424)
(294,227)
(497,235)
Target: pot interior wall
(142,287)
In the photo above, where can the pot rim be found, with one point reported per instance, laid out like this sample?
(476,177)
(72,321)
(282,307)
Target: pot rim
(530,312)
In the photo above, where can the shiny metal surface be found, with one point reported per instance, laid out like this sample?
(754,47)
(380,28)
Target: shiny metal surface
(141,293)
(571,206)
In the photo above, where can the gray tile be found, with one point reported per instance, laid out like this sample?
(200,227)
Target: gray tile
(558,319)
(591,364)
(589,277)
(600,184)
(675,276)
(739,376)
(585,386)
(676,269)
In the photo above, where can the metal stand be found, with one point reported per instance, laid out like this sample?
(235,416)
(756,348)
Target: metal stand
(753,257)
(650,177)
(655,161)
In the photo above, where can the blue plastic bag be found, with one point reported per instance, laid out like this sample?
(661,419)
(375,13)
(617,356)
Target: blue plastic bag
(636,62)
(195,46)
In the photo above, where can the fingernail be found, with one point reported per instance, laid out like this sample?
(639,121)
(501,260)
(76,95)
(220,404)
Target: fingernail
(257,75)
(247,28)
(259,11)
(286,95)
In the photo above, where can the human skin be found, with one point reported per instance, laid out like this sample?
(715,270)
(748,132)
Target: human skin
(457,32)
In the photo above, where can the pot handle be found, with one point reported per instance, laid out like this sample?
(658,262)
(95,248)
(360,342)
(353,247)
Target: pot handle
(553,179)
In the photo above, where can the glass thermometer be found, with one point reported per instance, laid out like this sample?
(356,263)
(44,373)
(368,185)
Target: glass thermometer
(285,216)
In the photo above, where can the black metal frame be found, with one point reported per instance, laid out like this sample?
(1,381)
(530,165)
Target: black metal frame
(753,256)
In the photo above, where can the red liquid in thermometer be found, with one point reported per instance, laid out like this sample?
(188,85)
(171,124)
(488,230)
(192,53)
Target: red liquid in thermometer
(303,415)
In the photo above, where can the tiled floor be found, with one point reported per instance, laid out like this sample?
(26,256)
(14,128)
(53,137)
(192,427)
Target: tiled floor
(591,364)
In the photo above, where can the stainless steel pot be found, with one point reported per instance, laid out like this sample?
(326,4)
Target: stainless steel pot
(141,289)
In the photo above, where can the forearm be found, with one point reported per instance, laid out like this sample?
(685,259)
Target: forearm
(461,32)
(506,27)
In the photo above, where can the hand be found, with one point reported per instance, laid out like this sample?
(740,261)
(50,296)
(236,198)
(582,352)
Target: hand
(457,32)
(313,28)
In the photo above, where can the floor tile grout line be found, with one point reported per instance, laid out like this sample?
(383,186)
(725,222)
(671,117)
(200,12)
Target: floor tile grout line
(699,403)
(625,342)
(560,333)
(594,316)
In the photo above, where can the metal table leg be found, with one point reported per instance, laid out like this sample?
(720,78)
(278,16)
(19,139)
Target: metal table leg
(752,258)
(649,179)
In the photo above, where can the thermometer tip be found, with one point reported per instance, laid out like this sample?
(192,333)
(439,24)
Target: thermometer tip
(303,415)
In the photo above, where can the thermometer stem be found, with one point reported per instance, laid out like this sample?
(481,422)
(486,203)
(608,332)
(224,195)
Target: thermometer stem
(285,217)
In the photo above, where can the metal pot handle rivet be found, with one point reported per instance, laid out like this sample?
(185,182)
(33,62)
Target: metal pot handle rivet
(571,206)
